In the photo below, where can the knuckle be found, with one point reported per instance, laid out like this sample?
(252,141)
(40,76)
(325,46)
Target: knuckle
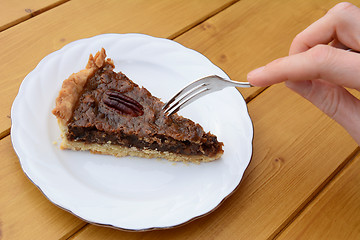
(298,44)
(321,54)
(297,39)
(341,8)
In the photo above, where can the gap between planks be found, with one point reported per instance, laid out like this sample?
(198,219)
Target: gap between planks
(79,228)
(172,36)
(32,14)
(201,20)
(6,132)
(296,213)
(315,194)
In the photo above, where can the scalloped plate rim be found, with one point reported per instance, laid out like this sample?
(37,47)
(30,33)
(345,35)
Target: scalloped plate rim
(19,152)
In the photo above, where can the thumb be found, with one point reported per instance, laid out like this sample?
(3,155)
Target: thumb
(333,100)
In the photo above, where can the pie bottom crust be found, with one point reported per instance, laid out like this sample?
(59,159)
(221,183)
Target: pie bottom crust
(121,151)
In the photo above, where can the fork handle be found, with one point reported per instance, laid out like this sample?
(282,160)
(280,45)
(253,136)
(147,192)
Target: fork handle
(241,84)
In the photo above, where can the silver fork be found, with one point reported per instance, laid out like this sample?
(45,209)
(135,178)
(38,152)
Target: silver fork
(198,89)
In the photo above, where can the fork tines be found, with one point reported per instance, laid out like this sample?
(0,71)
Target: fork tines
(187,95)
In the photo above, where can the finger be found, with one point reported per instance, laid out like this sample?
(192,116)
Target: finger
(324,95)
(333,100)
(321,62)
(337,44)
(342,22)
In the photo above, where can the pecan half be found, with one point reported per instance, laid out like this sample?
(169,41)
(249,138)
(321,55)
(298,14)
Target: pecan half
(122,103)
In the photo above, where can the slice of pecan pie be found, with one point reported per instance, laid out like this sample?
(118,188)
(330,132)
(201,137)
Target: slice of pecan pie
(105,112)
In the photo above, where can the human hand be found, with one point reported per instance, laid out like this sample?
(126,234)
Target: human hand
(319,68)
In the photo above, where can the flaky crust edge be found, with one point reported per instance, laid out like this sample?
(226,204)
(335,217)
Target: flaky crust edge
(73,86)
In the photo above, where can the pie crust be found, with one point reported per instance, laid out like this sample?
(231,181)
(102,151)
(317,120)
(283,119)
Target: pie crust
(153,129)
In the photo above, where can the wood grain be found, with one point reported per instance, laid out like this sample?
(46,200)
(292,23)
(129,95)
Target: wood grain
(24,45)
(24,211)
(295,155)
(297,149)
(13,12)
(250,34)
(335,213)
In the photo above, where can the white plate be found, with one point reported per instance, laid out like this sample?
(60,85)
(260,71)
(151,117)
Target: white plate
(131,193)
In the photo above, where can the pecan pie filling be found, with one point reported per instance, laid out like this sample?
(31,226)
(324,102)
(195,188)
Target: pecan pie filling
(112,109)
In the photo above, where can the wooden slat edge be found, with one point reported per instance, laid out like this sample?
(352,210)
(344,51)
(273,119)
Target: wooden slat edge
(315,194)
(77,229)
(203,19)
(4,133)
(31,14)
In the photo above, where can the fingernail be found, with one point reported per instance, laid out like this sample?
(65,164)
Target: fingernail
(255,72)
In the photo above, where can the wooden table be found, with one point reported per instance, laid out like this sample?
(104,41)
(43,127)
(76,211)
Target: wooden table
(303,181)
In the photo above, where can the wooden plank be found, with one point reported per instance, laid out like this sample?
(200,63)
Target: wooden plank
(24,45)
(24,211)
(335,213)
(297,149)
(250,34)
(13,12)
